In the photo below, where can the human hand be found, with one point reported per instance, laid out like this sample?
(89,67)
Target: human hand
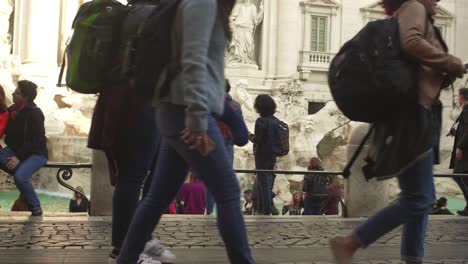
(458,70)
(198,140)
(459,154)
(12,163)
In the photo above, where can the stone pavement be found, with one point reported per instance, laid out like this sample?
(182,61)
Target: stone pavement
(82,239)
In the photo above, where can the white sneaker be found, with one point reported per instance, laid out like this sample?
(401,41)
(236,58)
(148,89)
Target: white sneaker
(145,259)
(157,251)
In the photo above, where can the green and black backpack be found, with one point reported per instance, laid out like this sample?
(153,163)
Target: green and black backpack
(91,52)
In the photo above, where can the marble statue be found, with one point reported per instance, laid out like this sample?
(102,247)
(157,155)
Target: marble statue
(244,21)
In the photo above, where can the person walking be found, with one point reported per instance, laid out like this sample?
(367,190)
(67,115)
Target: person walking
(459,159)
(190,136)
(26,144)
(234,131)
(124,126)
(410,151)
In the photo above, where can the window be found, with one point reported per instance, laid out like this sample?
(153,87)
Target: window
(315,107)
(320,27)
(319,33)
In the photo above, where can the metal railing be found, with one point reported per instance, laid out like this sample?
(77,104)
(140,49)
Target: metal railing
(316,58)
(335,173)
(65,173)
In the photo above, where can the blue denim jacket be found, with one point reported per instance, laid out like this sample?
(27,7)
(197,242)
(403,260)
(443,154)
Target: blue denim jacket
(199,43)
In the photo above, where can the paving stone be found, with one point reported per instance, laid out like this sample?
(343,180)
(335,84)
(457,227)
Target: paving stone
(202,233)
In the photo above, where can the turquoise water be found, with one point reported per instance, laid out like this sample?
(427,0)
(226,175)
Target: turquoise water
(49,203)
(57,204)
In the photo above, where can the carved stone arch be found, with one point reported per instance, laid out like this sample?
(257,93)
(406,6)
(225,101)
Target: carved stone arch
(325,6)
(443,16)
(375,11)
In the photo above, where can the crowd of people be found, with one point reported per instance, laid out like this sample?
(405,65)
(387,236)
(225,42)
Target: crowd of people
(155,141)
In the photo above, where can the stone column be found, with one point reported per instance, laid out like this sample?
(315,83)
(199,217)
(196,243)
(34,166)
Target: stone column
(270,27)
(289,38)
(37,35)
(461,35)
(363,198)
(101,189)
(8,65)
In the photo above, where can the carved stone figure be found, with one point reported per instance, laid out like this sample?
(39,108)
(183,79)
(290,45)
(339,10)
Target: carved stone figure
(244,21)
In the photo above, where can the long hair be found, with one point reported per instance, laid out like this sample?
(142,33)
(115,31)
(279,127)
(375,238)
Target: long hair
(293,201)
(315,164)
(77,195)
(390,6)
(225,8)
(3,105)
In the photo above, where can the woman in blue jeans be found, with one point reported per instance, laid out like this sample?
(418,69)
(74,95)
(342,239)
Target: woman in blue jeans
(190,137)
(404,147)
(26,150)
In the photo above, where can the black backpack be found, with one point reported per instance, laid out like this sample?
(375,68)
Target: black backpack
(150,52)
(319,190)
(278,137)
(136,17)
(370,79)
(90,55)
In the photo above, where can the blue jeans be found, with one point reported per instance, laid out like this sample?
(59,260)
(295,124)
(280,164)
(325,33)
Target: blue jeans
(210,201)
(410,210)
(265,183)
(22,176)
(133,153)
(175,159)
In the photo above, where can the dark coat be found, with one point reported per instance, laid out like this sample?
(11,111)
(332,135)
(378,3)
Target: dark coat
(397,145)
(262,137)
(113,116)
(461,142)
(25,133)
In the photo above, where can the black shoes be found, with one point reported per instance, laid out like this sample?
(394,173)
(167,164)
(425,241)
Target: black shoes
(463,212)
(114,253)
(37,212)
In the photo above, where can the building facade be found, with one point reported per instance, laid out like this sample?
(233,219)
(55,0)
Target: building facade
(280,47)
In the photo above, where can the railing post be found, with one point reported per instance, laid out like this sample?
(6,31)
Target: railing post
(101,189)
(363,198)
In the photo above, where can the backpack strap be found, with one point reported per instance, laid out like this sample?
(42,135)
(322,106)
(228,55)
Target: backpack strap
(347,169)
(62,69)
(426,27)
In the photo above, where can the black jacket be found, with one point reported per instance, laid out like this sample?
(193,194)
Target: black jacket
(399,144)
(461,142)
(262,137)
(25,133)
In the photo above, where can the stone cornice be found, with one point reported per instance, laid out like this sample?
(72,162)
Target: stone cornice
(320,3)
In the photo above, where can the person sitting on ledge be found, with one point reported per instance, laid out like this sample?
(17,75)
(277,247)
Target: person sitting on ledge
(441,207)
(26,150)
(295,206)
(78,204)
